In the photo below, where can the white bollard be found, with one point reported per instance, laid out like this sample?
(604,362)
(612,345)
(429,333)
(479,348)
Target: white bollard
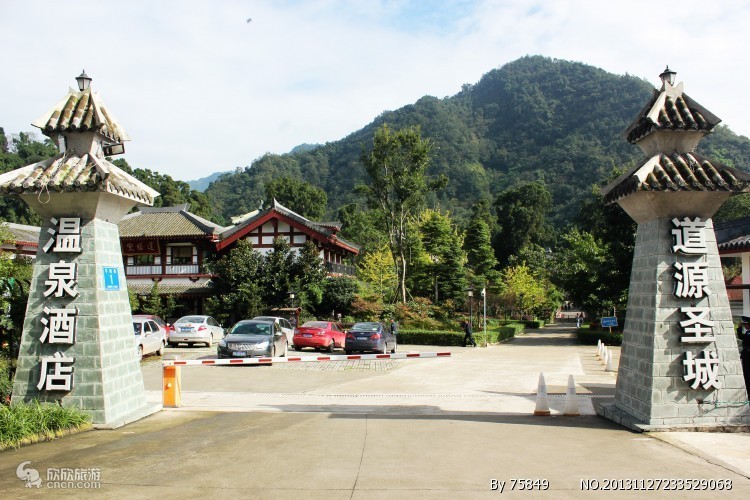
(608,366)
(599,348)
(571,400)
(542,400)
(605,355)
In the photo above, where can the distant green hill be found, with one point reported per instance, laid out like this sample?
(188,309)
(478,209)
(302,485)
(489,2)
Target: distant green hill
(532,119)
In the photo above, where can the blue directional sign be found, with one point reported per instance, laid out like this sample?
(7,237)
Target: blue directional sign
(609,321)
(111,278)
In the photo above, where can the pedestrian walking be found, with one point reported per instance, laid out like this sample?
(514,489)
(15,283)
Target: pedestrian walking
(579,320)
(468,336)
(394,327)
(744,331)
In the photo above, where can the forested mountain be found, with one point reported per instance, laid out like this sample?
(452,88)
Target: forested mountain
(536,118)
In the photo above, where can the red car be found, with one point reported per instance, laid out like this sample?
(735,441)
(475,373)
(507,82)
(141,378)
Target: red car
(319,335)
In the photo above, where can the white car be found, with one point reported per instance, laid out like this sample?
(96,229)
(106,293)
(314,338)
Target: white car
(284,324)
(196,329)
(150,337)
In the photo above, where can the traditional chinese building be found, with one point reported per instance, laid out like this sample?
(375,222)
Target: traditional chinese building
(25,239)
(261,227)
(77,344)
(733,239)
(679,364)
(169,247)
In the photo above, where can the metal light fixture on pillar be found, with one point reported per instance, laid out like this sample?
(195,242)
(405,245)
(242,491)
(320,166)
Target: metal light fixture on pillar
(84,81)
(667,76)
(291,296)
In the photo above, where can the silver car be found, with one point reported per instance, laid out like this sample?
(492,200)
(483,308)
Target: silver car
(284,324)
(253,338)
(196,330)
(150,337)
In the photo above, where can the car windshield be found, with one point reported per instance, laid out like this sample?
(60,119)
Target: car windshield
(315,324)
(265,318)
(252,329)
(191,319)
(137,327)
(366,327)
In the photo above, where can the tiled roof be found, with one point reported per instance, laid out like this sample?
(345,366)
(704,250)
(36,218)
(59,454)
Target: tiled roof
(194,289)
(70,172)
(324,228)
(23,234)
(81,112)
(166,221)
(733,235)
(677,172)
(671,109)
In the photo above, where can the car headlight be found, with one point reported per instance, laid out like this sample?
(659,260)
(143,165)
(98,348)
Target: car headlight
(262,345)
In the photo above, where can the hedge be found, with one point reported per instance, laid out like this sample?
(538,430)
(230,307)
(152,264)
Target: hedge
(452,338)
(588,336)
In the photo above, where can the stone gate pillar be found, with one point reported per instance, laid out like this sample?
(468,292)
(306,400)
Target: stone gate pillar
(679,365)
(77,344)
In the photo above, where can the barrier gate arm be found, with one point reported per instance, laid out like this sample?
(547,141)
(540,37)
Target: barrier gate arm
(171,377)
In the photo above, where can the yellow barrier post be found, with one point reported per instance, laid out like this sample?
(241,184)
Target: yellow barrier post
(171,386)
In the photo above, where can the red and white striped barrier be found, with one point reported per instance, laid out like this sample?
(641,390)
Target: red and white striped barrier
(303,359)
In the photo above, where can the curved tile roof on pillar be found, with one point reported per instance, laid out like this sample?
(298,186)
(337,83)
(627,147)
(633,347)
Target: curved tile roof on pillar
(677,172)
(81,112)
(69,172)
(671,109)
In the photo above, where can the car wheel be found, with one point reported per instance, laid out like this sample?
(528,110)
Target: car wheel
(330,346)
(210,341)
(172,344)
(385,347)
(160,352)
(348,351)
(298,348)
(286,350)
(393,351)
(140,353)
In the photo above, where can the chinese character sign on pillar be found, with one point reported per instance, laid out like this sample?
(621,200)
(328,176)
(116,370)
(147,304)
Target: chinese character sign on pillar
(691,282)
(59,320)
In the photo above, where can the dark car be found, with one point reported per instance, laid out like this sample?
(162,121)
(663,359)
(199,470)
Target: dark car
(370,336)
(252,338)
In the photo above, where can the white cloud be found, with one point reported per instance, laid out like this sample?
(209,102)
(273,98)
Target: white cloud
(201,90)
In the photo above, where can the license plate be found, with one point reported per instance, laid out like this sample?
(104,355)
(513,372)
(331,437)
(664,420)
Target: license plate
(307,335)
(239,353)
(186,329)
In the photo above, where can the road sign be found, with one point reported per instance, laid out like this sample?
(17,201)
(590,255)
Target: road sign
(111,278)
(609,321)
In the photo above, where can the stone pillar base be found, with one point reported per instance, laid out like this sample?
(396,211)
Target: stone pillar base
(612,412)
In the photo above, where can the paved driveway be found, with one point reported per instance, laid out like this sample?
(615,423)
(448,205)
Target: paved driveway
(432,428)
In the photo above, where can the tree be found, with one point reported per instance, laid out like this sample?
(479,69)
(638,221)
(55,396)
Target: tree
(303,198)
(238,284)
(308,276)
(15,280)
(376,268)
(396,167)
(521,216)
(157,305)
(277,278)
(339,293)
(479,252)
(580,267)
(443,244)
(520,290)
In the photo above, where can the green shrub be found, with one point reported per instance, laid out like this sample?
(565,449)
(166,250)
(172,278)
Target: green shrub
(533,323)
(453,338)
(6,383)
(589,336)
(36,420)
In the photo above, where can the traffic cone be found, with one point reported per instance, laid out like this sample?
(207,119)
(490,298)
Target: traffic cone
(542,400)
(599,348)
(608,366)
(571,400)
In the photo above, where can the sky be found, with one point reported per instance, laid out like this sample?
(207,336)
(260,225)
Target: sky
(209,86)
